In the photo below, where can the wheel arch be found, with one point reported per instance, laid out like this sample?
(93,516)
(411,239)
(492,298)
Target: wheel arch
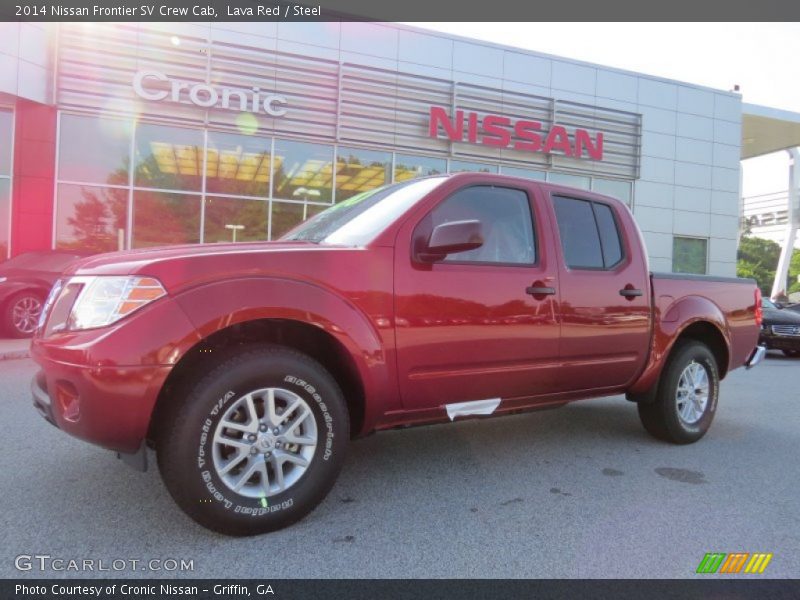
(298,335)
(693,318)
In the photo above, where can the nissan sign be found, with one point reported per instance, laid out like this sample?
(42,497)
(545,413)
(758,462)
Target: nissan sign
(523,135)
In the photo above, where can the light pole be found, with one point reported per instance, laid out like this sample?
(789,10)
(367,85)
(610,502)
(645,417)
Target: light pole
(234,229)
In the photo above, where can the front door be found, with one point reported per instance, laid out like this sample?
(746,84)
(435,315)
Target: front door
(481,324)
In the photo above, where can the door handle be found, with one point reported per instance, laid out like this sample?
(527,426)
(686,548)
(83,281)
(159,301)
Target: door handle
(630,293)
(540,290)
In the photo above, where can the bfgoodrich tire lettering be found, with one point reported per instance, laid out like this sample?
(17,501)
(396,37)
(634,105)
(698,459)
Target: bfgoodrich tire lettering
(687,396)
(210,443)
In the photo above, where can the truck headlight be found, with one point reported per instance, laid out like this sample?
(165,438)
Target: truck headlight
(103,300)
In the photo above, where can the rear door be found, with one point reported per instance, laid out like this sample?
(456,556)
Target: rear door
(472,327)
(605,298)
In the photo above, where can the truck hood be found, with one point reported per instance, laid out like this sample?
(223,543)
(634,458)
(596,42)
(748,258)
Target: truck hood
(180,266)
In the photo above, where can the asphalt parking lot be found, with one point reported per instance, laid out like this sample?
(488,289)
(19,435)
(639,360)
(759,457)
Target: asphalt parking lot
(577,492)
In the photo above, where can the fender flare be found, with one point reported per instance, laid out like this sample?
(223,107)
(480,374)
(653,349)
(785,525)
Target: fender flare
(675,320)
(215,306)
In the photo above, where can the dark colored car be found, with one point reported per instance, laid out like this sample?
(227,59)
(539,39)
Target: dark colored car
(793,307)
(25,281)
(780,329)
(248,367)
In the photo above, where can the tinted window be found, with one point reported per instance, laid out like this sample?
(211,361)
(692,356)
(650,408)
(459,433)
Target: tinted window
(505,217)
(580,241)
(589,234)
(409,167)
(303,171)
(94,150)
(689,255)
(360,170)
(91,218)
(170,158)
(609,234)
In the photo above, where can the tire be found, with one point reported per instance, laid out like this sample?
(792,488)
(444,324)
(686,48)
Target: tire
(21,314)
(791,353)
(202,474)
(662,418)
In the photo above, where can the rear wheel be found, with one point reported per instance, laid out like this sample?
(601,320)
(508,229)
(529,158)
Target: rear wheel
(21,315)
(687,396)
(792,353)
(257,443)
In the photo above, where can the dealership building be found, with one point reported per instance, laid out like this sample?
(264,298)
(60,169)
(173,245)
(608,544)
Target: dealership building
(138,134)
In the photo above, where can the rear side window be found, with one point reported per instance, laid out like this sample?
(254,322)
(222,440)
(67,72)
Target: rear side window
(609,234)
(589,234)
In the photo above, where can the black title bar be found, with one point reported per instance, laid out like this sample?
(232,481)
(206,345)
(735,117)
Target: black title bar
(207,589)
(399,10)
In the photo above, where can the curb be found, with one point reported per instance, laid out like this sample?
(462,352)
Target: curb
(14,355)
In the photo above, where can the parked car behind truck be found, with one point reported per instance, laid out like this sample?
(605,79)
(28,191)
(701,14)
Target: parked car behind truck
(25,281)
(249,367)
(780,329)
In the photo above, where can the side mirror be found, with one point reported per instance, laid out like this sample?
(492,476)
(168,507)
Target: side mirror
(451,238)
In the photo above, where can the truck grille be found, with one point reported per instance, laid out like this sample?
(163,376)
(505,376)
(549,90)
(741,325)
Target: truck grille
(786,329)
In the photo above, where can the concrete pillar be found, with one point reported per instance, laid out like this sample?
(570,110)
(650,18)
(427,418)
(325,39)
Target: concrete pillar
(779,285)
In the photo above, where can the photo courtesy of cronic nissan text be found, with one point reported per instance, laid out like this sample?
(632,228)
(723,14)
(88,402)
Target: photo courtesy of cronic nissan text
(375,300)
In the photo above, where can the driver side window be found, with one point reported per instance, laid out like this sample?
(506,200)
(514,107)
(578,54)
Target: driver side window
(506,224)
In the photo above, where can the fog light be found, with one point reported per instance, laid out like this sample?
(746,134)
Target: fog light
(69,400)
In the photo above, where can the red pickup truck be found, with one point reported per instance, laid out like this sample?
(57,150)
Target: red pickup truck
(249,367)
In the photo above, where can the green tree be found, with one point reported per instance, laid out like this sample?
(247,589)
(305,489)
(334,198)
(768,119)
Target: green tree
(758,258)
(794,273)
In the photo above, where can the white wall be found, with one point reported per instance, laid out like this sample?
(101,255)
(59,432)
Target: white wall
(26,64)
(691,136)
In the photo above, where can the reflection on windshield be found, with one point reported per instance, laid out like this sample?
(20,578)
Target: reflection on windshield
(359,219)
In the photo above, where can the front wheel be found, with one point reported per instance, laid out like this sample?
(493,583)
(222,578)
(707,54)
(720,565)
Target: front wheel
(257,443)
(687,396)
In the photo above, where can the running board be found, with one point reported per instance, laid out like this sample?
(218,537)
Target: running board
(476,407)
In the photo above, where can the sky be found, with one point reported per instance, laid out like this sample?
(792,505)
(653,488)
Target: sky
(762,58)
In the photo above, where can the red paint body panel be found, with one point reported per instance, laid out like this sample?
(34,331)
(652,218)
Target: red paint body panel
(419,335)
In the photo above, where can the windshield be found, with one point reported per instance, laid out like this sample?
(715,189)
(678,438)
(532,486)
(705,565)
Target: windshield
(768,303)
(358,220)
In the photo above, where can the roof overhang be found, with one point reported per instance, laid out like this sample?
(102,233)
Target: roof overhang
(766,130)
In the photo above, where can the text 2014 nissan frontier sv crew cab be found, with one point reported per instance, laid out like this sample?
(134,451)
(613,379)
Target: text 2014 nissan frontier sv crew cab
(249,367)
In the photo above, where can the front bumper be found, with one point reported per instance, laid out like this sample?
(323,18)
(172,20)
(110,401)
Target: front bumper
(110,407)
(780,342)
(102,385)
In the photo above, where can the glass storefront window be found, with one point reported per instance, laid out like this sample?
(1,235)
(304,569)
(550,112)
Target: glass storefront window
(409,167)
(303,171)
(168,158)
(613,188)
(458,166)
(91,218)
(94,150)
(526,173)
(238,165)
(576,181)
(285,216)
(689,255)
(6,135)
(314,209)
(360,170)
(161,218)
(5,206)
(233,219)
